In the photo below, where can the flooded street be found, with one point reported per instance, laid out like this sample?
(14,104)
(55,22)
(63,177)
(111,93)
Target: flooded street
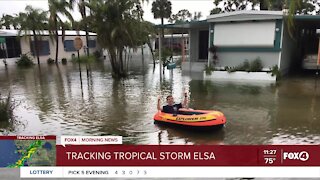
(50,101)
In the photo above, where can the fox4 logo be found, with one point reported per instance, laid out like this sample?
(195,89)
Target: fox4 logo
(302,156)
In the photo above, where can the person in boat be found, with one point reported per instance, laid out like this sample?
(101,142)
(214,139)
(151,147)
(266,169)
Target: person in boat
(171,107)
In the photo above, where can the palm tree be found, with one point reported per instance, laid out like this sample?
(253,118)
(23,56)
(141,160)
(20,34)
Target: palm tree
(82,9)
(114,22)
(33,20)
(161,9)
(56,8)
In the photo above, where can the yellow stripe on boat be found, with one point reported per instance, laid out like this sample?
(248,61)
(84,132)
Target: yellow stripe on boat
(190,118)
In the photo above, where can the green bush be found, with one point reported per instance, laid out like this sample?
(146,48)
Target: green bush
(50,61)
(274,70)
(246,65)
(256,65)
(232,69)
(208,69)
(64,61)
(25,61)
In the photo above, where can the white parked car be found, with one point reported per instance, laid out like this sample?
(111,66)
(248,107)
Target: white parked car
(310,61)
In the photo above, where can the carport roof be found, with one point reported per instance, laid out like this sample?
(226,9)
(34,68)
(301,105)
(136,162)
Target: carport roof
(307,17)
(12,32)
(187,25)
(241,16)
(311,21)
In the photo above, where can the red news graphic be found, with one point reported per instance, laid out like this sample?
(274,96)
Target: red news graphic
(188,155)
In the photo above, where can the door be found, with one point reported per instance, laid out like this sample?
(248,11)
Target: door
(203,44)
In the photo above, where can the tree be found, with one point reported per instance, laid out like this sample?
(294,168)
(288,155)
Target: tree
(114,21)
(161,9)
(82,9)
(7,20)
(307,7)
(56,8)
(33,20)
(77,25)
(294,6)
(222,6)
(143,32)
(181,17)
(68,25)
(150,31)
(196,16)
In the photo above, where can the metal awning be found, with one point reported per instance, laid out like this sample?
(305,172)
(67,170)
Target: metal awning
(308,21)
(187,25)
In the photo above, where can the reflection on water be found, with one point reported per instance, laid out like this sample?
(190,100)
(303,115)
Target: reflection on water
(52,101)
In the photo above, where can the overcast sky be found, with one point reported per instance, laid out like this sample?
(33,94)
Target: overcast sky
(204,6)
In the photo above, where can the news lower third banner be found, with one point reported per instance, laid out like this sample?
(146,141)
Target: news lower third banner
(188,155)
(106,156)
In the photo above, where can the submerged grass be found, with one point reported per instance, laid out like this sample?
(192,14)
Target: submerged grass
(85,59)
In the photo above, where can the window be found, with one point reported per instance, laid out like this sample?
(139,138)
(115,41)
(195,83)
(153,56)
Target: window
(245,34)
(68,46)
(92,43)
(44,48)
(11,48)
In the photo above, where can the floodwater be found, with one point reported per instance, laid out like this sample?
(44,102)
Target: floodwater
(50,101)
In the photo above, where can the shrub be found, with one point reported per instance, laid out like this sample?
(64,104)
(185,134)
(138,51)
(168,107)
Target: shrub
(208,69)
(64,61)
(256,65)
(50,61)
(274,70)
(232,69)
(246,65)
(24,61)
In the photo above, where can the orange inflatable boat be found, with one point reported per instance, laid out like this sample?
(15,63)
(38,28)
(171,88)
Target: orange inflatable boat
(192,118)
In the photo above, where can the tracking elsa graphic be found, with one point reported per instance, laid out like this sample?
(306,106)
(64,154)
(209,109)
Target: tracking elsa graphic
(27,154)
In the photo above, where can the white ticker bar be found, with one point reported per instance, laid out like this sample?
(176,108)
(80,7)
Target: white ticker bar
(169,172)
